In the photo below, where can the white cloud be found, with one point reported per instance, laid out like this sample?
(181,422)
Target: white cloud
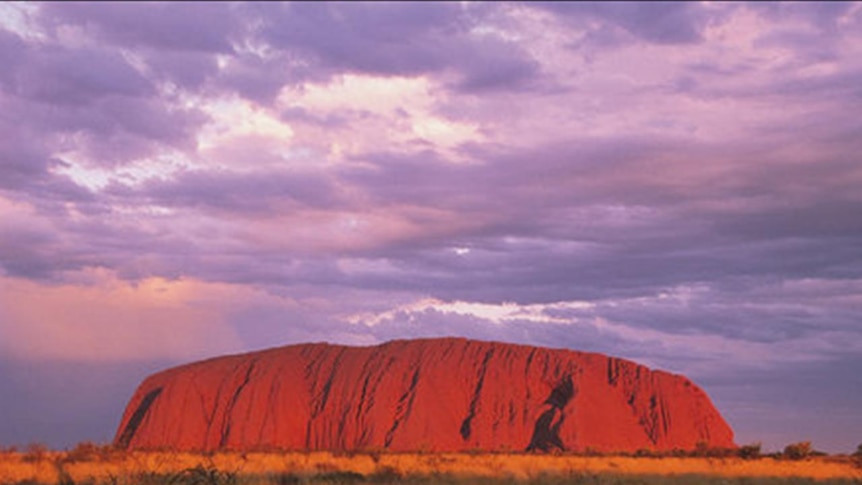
(496,313)
(385,111)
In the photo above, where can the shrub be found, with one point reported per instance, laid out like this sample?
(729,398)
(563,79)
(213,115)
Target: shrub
(35,452)
(857,456)
(749,452)
(590,451)
(201,475)
(89,451)
(798,451)
(341,477)
(285,479)
(702,449)
(645,452)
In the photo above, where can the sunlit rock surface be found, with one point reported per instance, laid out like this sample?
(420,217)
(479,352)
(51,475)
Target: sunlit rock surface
(446,394)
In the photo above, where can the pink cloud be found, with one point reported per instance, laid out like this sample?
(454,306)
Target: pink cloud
(101,318)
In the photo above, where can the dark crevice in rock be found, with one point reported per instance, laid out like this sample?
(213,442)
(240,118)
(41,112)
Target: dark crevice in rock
(315,370)
(137,417)
(474,403)
(225,432)
(402,409)
(613,371)
(546,434)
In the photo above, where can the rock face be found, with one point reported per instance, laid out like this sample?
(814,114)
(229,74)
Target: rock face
(420,395)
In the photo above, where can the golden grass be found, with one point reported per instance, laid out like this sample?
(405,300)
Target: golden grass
(54,467)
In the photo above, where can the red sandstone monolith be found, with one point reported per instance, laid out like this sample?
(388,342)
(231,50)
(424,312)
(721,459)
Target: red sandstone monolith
(447,394)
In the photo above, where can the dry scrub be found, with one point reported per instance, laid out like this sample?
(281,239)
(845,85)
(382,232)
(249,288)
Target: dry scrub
(102,465)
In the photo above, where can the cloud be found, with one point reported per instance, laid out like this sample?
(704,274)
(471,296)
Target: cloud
(660,22)
(659,330)
(676,183)
(184,27)
(75,76)
(256,193)
(400,40)
(101,318)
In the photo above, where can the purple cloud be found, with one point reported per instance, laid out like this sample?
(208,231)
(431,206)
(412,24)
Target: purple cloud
(399,39)
(659,22)
(198,27)
(675,183)
(77,76)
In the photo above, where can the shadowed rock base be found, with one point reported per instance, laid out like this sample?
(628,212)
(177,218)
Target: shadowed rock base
(420,395)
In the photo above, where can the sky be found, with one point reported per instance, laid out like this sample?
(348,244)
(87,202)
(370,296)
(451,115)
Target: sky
(676,184)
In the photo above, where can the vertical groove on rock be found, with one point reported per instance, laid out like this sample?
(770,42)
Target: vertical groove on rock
(212,417)
(225,429)
(363,395)
(272,414)
(650,420)
(402,409)
(613,371)
(665,416)
(474,403)
(530,357)
(315,373)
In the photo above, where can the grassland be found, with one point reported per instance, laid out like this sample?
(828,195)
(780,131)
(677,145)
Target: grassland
(103,466)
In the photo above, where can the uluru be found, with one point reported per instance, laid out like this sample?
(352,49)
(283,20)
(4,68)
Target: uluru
(447,394)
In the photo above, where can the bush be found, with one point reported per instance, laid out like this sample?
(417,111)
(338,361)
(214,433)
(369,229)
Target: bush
(285,479)
(386,475)
(341,477)
(857,456)
(798,451)
(703,450)
(35,452)
(201,475)
(89,451)
(749,452)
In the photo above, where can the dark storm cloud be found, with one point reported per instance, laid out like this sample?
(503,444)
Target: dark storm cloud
(53,94)
(759,310)
(26,161)
(21,162)
(190,70)
(366,37)
(257,193)
(822,15)
(77,76)
(112,130)
(591,221)
(659,22)
(261,79)
(27,253)
(11,54)
(400,39)
(177,42)
(41,249)
(196,26)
